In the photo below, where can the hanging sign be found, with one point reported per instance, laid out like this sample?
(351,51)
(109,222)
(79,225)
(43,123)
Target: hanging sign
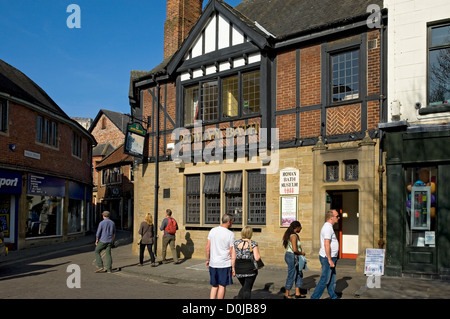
(135,140)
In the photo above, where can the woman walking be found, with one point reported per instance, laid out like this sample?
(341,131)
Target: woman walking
(147,233)
(291,243)
(244,268)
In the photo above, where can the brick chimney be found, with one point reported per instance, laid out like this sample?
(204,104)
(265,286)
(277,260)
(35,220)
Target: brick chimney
(181,17)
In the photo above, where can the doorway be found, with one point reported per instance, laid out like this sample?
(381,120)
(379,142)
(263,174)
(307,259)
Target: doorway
(346,203)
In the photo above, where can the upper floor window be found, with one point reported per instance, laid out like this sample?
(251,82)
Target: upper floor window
(46,131)
(345,75)
(439,64)
(76,144)
(3,115)
(222,98)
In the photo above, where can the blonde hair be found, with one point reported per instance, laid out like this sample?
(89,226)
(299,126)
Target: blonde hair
(149,219)
(247,232)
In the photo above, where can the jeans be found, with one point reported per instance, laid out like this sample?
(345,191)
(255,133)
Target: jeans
(294,274)
(98,249)
(142,250)
(327,279)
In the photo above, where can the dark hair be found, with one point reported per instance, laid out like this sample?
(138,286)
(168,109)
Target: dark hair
(289,231)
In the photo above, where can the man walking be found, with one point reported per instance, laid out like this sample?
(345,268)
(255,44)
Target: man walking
(106,233)
(328,255)
(219,257)
(169,226)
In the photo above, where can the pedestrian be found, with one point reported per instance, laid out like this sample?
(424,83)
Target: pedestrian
(147,234)
(219,253)
(328,255)
(106,233)
(291,243)
(169,226)
(245,269)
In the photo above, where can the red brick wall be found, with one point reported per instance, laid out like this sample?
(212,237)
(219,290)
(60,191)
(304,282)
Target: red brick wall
(59,161)
(181,17)
(109,133)
(310,72)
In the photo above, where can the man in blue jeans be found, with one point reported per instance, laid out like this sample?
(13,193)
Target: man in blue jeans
(328,255)
(106,233)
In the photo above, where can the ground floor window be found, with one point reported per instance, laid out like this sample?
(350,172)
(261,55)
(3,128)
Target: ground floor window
(421,206)
(75,218)
(238,187)
(44,216)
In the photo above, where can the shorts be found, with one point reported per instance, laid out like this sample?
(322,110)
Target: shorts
(220,276)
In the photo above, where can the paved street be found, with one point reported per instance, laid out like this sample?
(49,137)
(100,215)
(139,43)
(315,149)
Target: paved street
(46,277)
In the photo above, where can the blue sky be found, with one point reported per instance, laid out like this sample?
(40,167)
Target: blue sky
(84,69)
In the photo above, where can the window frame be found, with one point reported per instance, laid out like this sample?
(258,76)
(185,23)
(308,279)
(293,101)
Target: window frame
(46,131)
(198,83)
(340,51)
(431,48)
(4,114)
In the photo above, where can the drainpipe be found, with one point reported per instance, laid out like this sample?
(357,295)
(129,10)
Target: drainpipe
(380,133)
(155,219)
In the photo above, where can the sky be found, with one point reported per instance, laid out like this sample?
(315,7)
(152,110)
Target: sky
(88,68)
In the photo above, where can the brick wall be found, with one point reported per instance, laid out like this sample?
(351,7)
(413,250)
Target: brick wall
(181,17)
(106,131)
(59,160)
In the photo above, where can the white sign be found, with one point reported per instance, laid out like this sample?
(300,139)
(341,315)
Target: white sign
(31,154)
(374,262)
(289,181)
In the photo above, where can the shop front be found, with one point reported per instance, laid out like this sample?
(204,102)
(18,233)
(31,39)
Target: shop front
(418,205)
(10,190)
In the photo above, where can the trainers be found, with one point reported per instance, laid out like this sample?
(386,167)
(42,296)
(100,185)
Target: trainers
(100,269)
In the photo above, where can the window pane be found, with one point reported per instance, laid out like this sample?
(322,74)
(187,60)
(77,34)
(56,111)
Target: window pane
(439,76)
(256,198)
(345,70)
(440,35)
(193,199)
(251,87)
(191,107)
(210,102)
(230,96)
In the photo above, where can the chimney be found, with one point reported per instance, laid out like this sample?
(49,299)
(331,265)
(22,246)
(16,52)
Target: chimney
(181,17)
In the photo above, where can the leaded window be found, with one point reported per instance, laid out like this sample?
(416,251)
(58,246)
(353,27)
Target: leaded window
(256,198)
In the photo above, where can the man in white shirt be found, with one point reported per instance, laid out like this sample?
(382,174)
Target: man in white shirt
(328,255)
(219,252)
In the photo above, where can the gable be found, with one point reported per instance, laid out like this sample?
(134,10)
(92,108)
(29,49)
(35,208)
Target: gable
(220,39)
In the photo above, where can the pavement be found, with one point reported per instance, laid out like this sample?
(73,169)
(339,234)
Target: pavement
(269,283)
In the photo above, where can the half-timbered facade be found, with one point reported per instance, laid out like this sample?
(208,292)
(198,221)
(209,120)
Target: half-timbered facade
(268,110)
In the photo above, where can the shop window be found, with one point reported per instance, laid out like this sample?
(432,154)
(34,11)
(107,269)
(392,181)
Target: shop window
(421,206)
(233,195)
(351,170)
(44,216)
(211,189)
(256,198)
(193,199)
(345,76)
(438,65)
(3,115)
(75,216)
(332,171)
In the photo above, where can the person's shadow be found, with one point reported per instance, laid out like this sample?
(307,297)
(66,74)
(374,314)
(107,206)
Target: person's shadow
(186,249)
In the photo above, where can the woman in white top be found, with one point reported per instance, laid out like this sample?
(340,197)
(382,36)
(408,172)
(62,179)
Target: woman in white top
(291,242)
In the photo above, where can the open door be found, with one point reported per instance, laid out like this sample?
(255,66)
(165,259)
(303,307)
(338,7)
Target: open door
(347,230)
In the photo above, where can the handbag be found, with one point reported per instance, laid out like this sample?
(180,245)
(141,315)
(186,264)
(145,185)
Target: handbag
(258,264)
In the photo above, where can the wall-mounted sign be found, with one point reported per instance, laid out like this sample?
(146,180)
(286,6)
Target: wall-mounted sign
(10,182)
(46,186)
(289,181)
(135,140)
(288,210)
